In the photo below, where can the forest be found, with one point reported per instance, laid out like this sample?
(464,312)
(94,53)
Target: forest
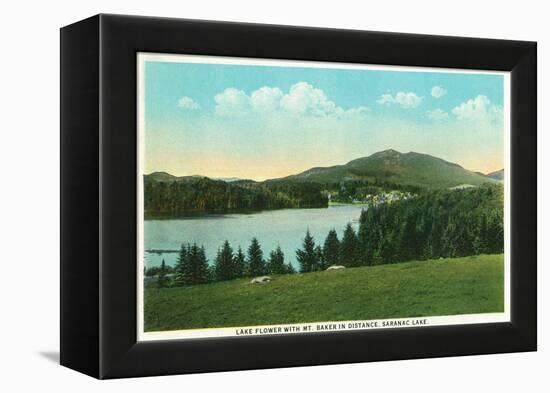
(204,195)
(436,224)
(439,224)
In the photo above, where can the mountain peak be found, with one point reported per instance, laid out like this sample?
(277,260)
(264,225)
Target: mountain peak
(387,153)
(392,166)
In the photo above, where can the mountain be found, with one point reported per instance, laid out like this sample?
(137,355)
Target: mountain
(391,166)
(497,175)
(160,176)
(388,166)
(166,177)
(381,173)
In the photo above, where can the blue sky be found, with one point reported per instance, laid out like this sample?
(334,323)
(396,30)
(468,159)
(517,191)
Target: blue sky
(253,121)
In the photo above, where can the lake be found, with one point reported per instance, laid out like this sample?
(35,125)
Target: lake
(285,227)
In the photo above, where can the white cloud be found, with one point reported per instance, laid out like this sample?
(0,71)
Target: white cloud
(437,114)
(404,99)
(302,99)
(479,108)
(188,103)
(266,99)
(232,102)
(358,111)
(438,91)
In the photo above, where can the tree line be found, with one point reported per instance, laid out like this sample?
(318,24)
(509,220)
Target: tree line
(176,198)
(192,266)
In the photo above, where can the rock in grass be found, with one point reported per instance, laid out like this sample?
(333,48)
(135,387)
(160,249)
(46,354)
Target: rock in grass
(260,280)
(335,267)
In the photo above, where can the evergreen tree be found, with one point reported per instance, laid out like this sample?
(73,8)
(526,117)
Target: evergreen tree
(203,271)
(194,269)
(182,269)
(239,263)
(320,259)
(162,280)
(224,268)
(349,248)
(331,249)
(256,263)
(276,263)
(307,257)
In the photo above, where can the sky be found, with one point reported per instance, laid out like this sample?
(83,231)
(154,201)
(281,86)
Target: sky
(272,120)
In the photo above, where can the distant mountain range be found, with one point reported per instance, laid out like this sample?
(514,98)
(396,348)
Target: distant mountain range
(390,166)
(166,177)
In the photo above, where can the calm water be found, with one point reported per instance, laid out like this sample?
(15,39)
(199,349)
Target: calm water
(274,227)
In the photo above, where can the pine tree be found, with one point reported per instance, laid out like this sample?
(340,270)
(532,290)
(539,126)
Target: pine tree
(331,249)
(223,266)
(349,248)
(182,269)
(203,273)
(320,259)
(239,263)
(307,257)
(256,263)
(276,264)
(162,280)
(194,269)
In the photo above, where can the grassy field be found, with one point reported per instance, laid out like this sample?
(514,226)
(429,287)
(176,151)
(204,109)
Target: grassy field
(438,287)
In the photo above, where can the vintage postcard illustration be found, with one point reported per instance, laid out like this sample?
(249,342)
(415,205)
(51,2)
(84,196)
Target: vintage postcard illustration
(281,197)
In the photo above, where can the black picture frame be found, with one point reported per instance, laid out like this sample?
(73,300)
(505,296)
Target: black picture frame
(98,195)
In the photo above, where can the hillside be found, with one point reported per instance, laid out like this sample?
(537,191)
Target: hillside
(438,287)
(170,196)
(497,175)
(391,166)
(168,178)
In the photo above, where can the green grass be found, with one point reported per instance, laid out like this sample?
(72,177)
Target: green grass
(413,289)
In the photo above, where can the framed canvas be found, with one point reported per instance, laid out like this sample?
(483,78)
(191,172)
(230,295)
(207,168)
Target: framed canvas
(240,196)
